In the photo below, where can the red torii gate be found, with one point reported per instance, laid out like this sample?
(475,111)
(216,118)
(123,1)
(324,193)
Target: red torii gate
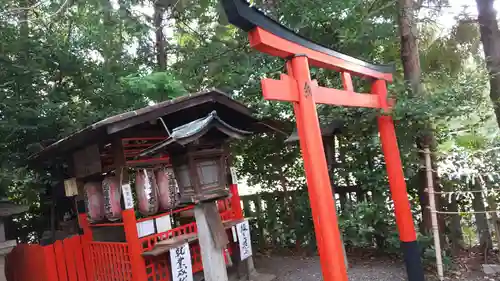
(268,36)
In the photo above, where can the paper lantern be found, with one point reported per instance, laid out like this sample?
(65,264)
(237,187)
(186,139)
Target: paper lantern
(167,187)
(94,201)
(147,192)
(111,190)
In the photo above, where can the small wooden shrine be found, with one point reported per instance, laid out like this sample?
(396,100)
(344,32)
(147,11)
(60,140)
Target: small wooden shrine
(151,186)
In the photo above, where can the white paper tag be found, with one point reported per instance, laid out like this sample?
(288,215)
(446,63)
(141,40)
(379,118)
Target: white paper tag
(235,235)
(180,260)
(163,224)
(128,199)
(244,239)
(233,175)
(145,228)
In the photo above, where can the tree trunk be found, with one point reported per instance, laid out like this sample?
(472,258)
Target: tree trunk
(483,229)
(161,56)
(107,51)
(495,222)
(409,46)
(456,235)
(412,74)
(490,37)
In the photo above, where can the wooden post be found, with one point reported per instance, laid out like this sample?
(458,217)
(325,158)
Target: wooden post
(211,236)
(134,246)
(235,202)
(86,239)
(132,237)
(432,206)
(260,221)
(138,265)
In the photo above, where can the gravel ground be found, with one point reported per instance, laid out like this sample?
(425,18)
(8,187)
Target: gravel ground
(308,269)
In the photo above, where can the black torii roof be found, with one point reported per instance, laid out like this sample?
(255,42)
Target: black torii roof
(242,15)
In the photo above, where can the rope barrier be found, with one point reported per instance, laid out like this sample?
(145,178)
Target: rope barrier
(464,191)
(459,213)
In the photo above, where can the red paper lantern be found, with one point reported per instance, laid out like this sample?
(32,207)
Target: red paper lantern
(112,197)
(94,201)
(147,192)
(167,187)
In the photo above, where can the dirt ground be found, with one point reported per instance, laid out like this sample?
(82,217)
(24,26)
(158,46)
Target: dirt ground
(288,268)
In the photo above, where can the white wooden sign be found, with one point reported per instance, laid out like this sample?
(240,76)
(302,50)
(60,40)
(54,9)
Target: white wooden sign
(244,239)
(70,187)
(145,228)
(234,178)
(235,235)
(128,199)
(180,263)
(163,224)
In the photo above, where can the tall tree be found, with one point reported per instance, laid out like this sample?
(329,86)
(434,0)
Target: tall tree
(490,37)
(161,56)
(410,59)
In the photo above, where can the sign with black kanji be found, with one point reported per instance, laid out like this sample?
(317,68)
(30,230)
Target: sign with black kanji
(180,263)
(245,242)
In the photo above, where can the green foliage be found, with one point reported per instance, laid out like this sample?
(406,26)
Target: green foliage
(156,86)
(367,224)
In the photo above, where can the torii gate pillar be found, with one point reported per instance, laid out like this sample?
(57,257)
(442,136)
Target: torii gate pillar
(318,180)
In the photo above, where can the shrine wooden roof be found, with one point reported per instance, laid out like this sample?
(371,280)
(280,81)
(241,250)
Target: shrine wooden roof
(143,121)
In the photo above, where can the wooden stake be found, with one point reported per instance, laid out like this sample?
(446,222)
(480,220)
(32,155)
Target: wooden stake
(214,266)
(432,206)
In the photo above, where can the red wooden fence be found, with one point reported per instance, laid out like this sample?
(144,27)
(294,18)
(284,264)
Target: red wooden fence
(61,261)
(109,261)
(76,259)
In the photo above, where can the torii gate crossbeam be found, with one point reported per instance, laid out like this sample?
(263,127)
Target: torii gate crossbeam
(297,87)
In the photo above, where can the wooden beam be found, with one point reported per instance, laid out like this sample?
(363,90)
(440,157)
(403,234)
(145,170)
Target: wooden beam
(118,154)
(347,81)
(286,90)
(214,266)
(87,161)
(343,98)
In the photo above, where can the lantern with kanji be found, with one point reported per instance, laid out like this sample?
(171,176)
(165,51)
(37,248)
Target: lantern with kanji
(147,191)
(167,187)
(112,197)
